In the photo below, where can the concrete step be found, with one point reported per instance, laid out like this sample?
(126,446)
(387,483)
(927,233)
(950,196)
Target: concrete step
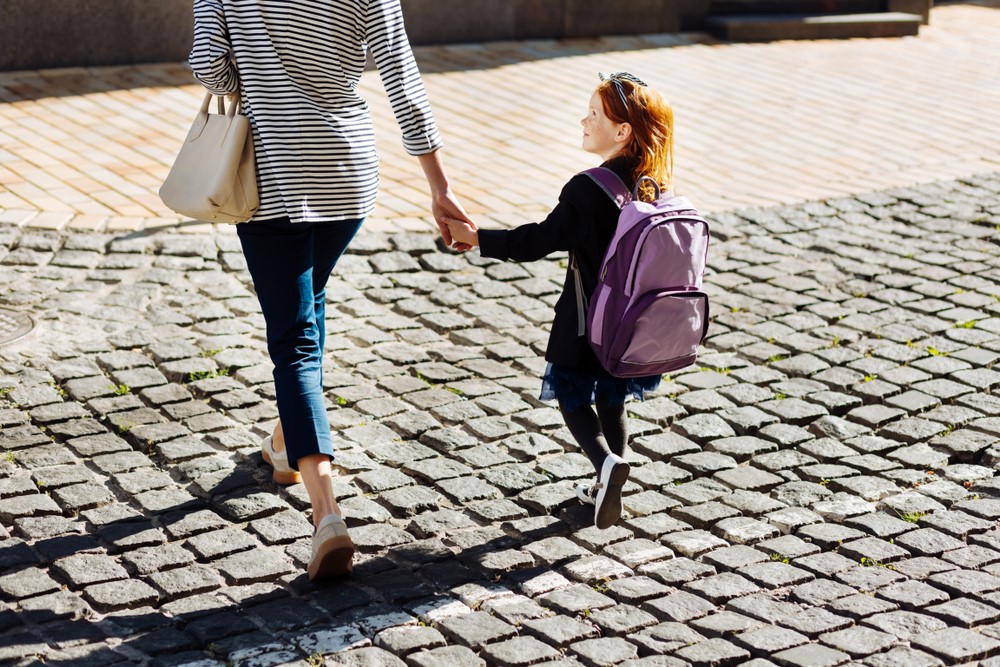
(812,26)
(762,7)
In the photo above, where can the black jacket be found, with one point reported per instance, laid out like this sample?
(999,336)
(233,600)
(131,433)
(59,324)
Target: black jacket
(583,223)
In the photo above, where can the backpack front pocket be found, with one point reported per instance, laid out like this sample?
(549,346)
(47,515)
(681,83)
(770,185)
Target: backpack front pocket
(661,332)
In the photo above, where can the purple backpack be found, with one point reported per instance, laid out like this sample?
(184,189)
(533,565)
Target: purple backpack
(648,314)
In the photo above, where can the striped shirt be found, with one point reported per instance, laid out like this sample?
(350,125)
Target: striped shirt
(297,64)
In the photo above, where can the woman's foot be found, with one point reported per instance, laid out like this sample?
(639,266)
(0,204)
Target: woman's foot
(275,455)
(608,500)
(332,549)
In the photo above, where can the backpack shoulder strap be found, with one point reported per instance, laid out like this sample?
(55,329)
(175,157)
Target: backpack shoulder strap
(608,181)
(611,184)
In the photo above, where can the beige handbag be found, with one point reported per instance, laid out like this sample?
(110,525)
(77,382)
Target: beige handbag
(213,177)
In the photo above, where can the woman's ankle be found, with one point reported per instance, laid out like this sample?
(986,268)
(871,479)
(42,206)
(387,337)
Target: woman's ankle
(318,479)
(319,515)
(278,439)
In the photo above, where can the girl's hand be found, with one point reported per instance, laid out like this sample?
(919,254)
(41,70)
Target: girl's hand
(464,234)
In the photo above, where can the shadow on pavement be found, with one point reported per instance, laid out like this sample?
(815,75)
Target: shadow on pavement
(189,616)
(71,82)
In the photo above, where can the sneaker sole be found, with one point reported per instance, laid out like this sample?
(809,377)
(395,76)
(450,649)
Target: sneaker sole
(335,559)
(609,507)
(290,477)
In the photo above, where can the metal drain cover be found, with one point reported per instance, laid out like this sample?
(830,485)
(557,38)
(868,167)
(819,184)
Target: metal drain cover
(14,325)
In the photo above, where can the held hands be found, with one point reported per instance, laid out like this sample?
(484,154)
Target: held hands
(444,204)
(457,229)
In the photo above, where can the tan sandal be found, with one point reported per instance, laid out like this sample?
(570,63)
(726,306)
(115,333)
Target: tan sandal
(332,549)
(283,473)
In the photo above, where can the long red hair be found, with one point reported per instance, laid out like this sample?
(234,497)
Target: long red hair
(651,145)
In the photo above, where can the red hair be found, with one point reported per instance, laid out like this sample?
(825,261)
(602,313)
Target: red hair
(651,145)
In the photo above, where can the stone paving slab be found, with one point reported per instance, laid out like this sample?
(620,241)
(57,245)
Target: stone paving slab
(757,125)
(783,509)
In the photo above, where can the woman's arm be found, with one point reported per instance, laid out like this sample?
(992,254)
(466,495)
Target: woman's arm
(386,36)
(211,54)
(444,204)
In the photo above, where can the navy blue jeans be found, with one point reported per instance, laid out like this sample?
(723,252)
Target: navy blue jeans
(290,264)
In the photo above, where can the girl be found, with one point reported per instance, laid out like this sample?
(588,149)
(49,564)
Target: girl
(630,126)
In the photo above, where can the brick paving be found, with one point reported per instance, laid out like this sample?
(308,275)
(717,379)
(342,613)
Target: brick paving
(821,489)
(758,124)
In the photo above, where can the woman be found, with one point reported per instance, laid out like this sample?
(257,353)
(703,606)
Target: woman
(296,66)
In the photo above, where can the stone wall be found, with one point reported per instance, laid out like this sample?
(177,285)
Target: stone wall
(447,21)
(38,34)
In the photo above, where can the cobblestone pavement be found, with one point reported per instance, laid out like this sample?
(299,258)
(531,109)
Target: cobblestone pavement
(821,489)
(758,124)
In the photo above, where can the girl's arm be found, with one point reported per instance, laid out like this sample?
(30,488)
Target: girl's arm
(211,54)
(565,228)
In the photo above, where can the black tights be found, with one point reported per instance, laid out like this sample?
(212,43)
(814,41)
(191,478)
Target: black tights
(598,433)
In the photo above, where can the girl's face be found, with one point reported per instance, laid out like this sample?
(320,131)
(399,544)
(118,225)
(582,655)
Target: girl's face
(601,135)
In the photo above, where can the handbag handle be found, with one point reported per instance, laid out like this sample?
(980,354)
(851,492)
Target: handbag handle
(234,108)
(202,119)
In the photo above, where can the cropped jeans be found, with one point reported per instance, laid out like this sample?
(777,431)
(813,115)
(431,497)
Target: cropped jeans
(290,265)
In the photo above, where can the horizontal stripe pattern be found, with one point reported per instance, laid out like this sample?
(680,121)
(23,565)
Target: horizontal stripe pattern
(297,65)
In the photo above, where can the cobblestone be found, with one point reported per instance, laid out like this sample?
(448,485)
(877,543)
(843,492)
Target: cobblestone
(861,606)
(901,655)
(680,607)
(958,645)
(964,612)
(725,623)
(813,655)
(763,608)
(769,639)
(904,624)
(815,621)
(713,651)
(820,592)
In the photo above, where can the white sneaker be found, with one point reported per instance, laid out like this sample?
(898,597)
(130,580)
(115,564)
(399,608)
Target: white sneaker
(608,502)
(332,549)
(283,473)
(587,493)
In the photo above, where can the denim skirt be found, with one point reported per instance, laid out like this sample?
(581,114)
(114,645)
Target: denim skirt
(575,388)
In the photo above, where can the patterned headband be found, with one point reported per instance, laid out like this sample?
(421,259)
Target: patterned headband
(617,79)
